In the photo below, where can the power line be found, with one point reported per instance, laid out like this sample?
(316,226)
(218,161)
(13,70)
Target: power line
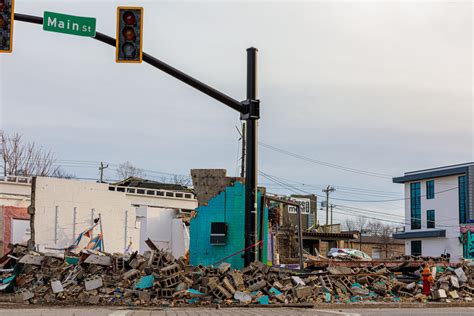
(327,164)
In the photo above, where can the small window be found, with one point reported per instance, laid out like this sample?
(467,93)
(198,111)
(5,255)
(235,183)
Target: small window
(140,191)
(430,194)
(416,247)
(430,219)
(218,233)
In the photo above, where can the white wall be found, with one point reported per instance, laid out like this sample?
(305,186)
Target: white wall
(446,206)
(65,195)
(163,228)
(15,191)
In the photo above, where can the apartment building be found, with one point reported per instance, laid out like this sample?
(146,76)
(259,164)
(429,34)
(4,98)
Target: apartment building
(439,211)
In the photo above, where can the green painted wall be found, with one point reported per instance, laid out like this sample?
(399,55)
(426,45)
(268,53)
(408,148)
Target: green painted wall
(229,207)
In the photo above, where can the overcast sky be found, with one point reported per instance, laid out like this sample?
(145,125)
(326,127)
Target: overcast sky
(379,86)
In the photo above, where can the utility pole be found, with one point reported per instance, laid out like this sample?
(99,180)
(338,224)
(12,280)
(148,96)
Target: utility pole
(101,169)
(332,205)
(327,191)
(242,168)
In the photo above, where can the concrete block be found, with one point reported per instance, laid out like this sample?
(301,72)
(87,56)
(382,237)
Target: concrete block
(302,291)
(93,283)
(31,259)
(453,294)
(460,274)
(454,281)
(439,294)
(297,281)
(228,285)
(56,286)
(100,260)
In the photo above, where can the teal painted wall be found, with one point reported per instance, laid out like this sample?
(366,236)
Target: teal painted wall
(229,207)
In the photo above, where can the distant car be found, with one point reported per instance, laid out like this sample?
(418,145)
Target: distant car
(346,253)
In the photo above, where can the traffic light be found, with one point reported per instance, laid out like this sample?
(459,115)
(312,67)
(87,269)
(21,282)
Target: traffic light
(129,35)
(6,25)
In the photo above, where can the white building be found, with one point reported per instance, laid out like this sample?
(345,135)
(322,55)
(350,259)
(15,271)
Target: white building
(438,202)
(132,210)
(14,219)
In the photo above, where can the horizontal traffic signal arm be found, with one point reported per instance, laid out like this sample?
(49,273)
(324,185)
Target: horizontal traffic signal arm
(155,62)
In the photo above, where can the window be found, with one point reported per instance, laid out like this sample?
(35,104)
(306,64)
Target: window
(218,233)
(430,219)
(430,193)
(415,205)
(416,247)
(462,189)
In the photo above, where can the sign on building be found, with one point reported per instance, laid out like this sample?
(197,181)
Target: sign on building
(305,206)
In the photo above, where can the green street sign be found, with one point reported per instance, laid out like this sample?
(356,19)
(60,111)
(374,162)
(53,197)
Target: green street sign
(68,24)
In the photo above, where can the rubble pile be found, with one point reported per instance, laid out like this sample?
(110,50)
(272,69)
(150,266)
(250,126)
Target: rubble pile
(157,278)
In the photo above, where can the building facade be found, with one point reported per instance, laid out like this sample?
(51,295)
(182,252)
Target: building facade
(438,207)
(15,192)
(217,228)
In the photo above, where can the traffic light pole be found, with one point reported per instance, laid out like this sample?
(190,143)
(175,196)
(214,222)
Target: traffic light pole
(251,117)
(249,110)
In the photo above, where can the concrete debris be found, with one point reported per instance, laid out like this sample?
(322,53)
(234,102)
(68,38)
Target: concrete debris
(157,279)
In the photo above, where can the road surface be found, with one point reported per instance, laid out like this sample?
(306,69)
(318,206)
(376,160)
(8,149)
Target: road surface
(100,311)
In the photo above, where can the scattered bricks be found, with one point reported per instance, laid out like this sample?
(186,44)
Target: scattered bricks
(24,295)
(130,274)
(155,261)
(453,294)
(170,270)
(439,294)
(325,281)
(56,286)
(297,281)
(205,281)
(93,283)
(93,299)
(380,269)
(347,283)
(256,283)
(221,293)
(237,279)
(166,293)
(302,291)
(247,270)
(144,296)
(31,259)
(228,286)
(171,281)
(454,281)
(461,275)
(100,260)
(167,258)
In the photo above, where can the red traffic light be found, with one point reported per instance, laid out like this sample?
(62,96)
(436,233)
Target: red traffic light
(129,18)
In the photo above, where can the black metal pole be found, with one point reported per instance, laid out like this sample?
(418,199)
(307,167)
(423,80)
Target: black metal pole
(252,115)
(155,62)
(300,238)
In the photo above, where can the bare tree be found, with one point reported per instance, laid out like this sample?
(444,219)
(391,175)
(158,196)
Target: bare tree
(176,179)
(350,224)
(25,159)
(126,170)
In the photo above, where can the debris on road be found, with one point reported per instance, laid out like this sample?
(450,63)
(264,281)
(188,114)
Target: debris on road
(157,278)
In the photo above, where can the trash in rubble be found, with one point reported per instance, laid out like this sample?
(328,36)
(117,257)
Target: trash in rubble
(157,278)
(145,282)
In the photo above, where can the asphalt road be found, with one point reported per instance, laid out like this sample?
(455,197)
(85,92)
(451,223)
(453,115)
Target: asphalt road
(87,311)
